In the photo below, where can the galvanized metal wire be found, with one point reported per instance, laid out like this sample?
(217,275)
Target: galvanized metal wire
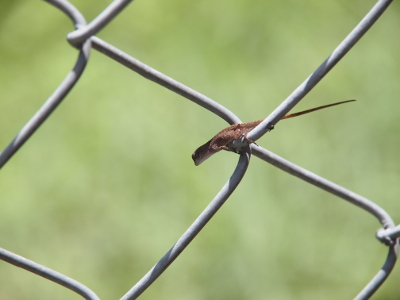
(83,39)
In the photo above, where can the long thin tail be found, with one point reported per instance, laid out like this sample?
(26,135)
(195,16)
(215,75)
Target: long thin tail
(313,109)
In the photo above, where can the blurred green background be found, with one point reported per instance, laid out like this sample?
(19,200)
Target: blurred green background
(107,185)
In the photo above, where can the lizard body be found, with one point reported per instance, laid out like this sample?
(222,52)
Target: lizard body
(236,131)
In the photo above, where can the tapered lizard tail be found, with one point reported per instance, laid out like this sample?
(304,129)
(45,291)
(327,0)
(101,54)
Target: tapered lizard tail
(313,109)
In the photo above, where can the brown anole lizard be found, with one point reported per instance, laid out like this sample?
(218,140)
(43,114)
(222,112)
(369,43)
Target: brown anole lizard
(239,131)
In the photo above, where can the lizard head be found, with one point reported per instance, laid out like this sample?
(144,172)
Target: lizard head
(202,153)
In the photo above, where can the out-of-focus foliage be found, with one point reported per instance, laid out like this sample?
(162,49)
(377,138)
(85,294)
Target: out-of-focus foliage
(106,186)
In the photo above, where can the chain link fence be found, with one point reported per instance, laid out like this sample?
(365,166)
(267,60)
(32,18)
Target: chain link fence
(83,39)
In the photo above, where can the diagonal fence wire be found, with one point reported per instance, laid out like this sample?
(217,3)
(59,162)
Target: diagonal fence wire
(82,39)
(59,94)
(193,230)
(48,273)
(340,51)
(353,198)
(80,35)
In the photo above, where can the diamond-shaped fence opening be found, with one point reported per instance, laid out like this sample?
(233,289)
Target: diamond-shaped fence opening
(143,146)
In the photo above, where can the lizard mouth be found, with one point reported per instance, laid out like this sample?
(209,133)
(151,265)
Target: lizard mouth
(198,159)
(202,153)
